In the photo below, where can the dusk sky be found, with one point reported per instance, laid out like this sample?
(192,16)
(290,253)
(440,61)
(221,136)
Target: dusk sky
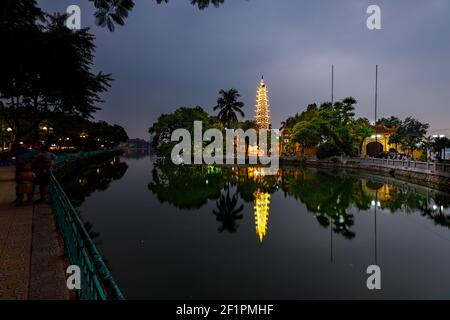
(172,55)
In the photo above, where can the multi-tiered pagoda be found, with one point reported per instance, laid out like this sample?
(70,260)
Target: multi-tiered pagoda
(262,117)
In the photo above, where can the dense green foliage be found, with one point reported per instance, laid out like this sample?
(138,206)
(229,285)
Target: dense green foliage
(327,150)
(182,118)
(307,133)
(330,122)
(335,124)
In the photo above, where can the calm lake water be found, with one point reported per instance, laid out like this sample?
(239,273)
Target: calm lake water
(231,233)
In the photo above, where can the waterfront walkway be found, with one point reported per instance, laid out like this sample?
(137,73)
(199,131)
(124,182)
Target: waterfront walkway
(32,262)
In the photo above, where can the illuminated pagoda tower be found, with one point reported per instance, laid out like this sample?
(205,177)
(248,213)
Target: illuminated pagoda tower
(261,211)
(262,117)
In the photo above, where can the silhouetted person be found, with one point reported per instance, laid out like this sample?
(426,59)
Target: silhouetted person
(21,156)
(42,165)
(25,185)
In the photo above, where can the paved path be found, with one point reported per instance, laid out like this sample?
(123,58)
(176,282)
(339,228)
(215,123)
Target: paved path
(32,262)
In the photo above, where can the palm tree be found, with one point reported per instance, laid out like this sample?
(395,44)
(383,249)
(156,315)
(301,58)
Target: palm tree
(229,105)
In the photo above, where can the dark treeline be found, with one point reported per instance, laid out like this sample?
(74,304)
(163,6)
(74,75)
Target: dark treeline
(46,78)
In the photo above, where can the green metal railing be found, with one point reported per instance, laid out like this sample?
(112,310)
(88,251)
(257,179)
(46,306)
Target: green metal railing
(96,280)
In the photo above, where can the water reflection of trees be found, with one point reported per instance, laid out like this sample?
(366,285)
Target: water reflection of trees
(96,177)
(186,187)
(331,196)
(327,196)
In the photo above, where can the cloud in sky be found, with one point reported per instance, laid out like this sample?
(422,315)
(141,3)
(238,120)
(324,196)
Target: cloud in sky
(173,55)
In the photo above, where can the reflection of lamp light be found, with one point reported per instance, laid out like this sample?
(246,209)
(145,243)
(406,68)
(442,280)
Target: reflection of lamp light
(261,211)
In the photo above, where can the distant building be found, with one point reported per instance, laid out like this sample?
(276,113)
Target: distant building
(379,141)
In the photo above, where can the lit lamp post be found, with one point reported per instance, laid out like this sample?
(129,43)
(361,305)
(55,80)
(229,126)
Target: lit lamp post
(2,128)
(44,134)
(5,133)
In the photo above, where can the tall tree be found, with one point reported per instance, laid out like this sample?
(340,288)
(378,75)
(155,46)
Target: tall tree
(334,120)
(361,130)
(229,106)
(347,110)
(307,133)
(45,68)
(412,133)
(391,122)
(182,118)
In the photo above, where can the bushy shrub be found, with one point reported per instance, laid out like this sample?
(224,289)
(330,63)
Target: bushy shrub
(327,150)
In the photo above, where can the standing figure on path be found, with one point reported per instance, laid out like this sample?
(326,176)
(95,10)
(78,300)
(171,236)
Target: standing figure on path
(21,155)
(25,186)
(42,165)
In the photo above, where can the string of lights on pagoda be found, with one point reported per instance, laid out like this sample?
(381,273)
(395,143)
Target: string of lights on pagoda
(262,117)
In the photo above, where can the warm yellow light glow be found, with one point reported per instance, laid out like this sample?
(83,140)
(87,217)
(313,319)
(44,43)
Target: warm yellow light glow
(262,117)
(9,129)
(44,128)
(261,211)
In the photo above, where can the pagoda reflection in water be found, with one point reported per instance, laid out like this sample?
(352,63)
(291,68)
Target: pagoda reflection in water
(261,210)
